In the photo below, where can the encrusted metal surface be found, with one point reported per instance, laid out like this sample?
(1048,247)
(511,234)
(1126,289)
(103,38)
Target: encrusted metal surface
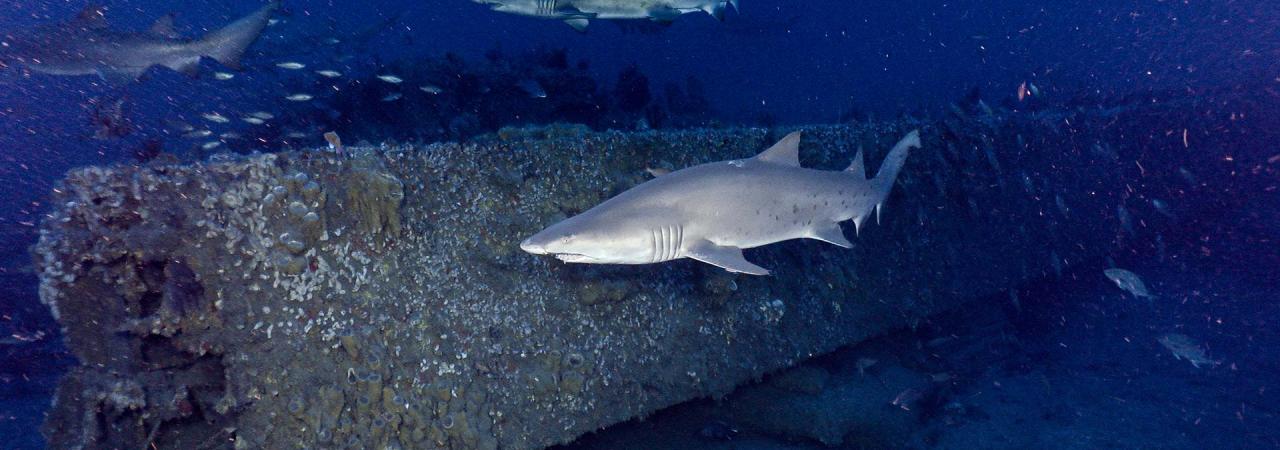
(378,299)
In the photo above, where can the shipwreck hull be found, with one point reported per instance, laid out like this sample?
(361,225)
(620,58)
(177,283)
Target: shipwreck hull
(378,297)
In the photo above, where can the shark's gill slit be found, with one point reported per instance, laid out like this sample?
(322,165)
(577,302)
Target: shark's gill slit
(653,238)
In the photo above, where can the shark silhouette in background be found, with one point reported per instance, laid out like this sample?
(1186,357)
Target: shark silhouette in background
(579,13)
(86,45)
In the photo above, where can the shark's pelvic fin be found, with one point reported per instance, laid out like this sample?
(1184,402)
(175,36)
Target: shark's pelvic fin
(785,152)
(715,9)
(830,233)
(727,258)
(120,77)
(578,24)
(664,14)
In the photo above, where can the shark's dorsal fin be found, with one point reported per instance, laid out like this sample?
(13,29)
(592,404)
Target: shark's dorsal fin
(858,167)
(727,258)
(92,17)
(785,152)
(163,27)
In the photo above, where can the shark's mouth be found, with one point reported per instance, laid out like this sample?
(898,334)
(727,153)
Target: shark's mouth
(574,258)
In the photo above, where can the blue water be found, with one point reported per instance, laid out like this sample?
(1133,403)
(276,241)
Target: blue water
(773,62)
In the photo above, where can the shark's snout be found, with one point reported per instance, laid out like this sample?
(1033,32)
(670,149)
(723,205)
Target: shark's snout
(532,246)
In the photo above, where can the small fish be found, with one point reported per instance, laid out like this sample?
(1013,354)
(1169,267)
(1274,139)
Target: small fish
(253,120)
(431,89)
(230,135)
(1183,347)
(215,117)
(392,97)
(262,115)
(1162,207)
(211,145)
(864,364)
(533,88)
(657,171)
(1126,219)
(223,76)
(335,143)
(297,135)
(1128,281)
(1022,91)
(290,65)
(197,134)
(329,73)
(391,79)
(299,97)
(1189,177)
(22,338)
(332,41)
(905,398)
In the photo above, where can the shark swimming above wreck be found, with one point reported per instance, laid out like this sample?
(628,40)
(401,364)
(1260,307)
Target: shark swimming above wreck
(711,212)
(86,45)
(579,13)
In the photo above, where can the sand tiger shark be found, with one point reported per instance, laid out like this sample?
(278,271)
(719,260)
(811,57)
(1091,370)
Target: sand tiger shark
(85,46)
(710,212)
(578,13)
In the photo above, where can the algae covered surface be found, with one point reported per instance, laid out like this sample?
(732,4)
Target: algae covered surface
(378,297)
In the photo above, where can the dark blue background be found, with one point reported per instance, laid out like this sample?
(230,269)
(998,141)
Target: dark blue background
(801,61)
(810,61)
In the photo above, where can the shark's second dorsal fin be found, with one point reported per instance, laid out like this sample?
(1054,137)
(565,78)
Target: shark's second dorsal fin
(858,167)
(92,17)
(785,152)
(163,27)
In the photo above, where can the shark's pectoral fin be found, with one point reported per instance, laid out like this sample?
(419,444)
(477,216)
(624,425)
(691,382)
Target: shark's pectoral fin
(727,258)
(579,24)
(188,68)
(830,233)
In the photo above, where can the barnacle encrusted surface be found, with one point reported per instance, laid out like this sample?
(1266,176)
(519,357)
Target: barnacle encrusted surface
(378,298)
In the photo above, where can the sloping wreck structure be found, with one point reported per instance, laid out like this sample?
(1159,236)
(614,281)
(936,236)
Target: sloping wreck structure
(377,298)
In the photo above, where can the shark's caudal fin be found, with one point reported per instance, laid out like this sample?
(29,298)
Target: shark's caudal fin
(883,182)
(228,44)
(892,164)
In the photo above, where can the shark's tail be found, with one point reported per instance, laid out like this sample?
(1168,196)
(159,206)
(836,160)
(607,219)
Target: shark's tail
(228,44)
(883,182)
